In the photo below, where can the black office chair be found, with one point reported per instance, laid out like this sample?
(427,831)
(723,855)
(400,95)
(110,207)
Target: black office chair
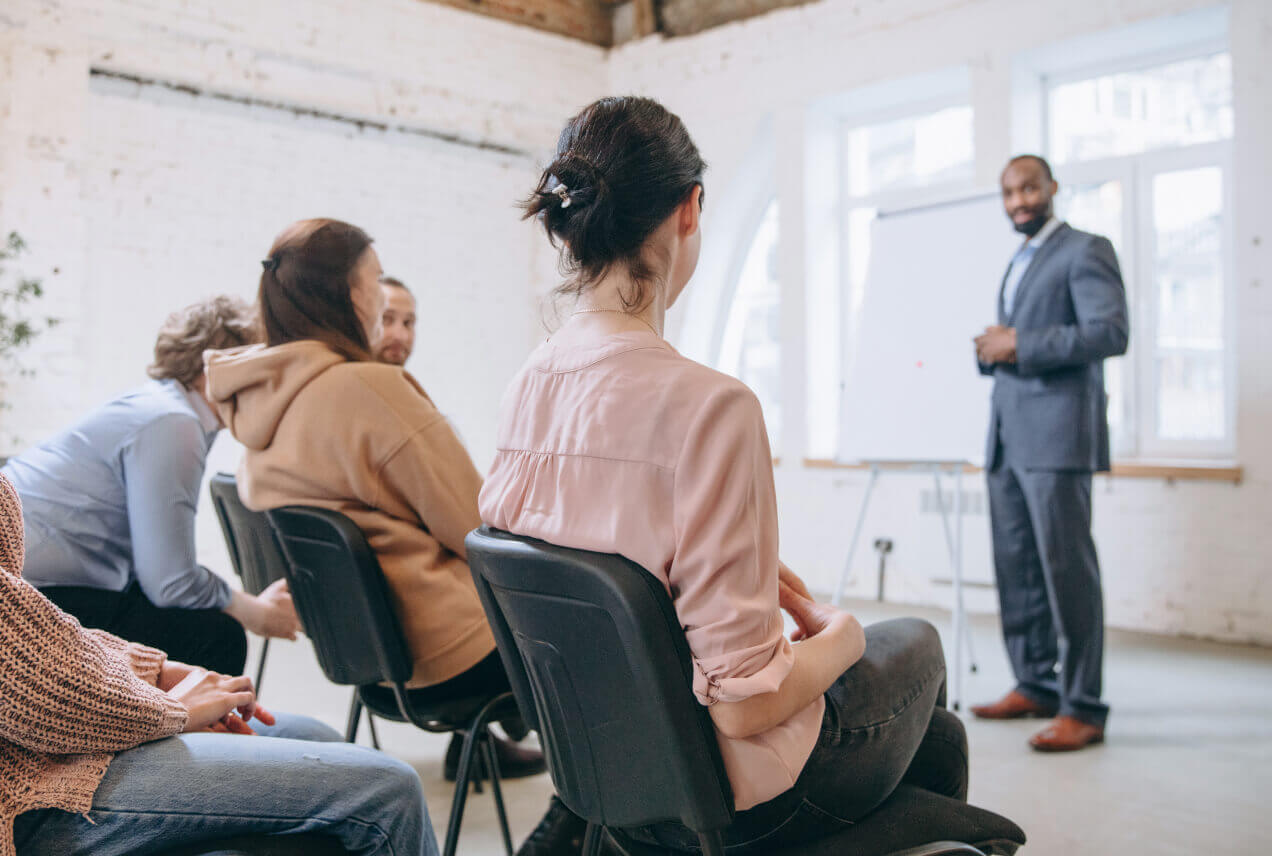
(599,663)
(259,561)
(344,603)
(253,552)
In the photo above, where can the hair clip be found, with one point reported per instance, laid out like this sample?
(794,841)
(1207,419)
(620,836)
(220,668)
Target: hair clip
(563,193)
(270,264)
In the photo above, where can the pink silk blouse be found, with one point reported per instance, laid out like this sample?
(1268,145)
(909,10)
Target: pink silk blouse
(622,445)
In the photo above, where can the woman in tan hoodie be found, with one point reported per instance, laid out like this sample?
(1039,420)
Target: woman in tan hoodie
(326,425)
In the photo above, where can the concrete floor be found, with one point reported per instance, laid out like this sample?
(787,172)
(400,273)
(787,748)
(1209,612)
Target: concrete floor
(1186,769)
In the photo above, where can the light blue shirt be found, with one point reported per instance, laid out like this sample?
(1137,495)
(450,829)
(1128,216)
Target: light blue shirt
(1020,262)
(111,500)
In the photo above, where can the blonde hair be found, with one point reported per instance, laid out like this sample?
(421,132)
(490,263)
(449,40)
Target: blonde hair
(210,325)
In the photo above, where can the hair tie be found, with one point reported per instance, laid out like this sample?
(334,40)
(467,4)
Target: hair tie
(563,193)
(270,264)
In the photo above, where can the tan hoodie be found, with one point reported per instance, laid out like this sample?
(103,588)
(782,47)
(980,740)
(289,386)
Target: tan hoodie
(364,439)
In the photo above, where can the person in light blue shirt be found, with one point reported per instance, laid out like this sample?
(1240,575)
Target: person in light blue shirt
(110,504)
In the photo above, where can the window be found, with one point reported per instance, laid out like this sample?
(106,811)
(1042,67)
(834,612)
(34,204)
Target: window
(909,152)
(1180,103)
(1100,207)
(750,348)
(1142,155)
(1188,290)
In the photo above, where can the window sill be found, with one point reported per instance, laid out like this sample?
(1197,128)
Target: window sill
(1220,471)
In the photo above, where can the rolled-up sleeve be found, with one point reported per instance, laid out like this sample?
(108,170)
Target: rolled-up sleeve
(724,572)
(163,469)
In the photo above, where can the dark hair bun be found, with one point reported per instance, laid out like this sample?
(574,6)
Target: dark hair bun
(623,165)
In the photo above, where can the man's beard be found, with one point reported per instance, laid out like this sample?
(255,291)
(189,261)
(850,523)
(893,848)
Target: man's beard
(1034,224)
(390,356)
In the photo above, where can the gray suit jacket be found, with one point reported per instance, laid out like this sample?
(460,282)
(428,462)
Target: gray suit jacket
(1049,410)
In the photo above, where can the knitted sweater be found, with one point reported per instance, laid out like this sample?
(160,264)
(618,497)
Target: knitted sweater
(69,697)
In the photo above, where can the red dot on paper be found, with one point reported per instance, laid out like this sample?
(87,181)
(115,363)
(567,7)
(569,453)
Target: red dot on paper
(919,364)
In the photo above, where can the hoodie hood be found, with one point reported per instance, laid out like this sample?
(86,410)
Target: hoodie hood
(253,386)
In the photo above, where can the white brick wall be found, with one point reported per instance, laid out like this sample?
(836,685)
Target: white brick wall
(144,199)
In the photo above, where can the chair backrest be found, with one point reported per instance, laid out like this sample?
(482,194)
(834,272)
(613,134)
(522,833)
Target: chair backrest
(341,596)
(255,553)
(593,647)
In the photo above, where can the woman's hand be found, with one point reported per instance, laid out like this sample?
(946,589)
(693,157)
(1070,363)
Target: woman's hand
(788,577)
(830,642)
(218,702)
(814,619)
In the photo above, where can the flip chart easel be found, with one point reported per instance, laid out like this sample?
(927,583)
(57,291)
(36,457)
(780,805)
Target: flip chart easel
(953,542)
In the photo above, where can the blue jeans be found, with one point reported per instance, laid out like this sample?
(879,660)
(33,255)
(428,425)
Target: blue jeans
(293,777)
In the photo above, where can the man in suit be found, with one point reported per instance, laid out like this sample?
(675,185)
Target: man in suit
(1061,313)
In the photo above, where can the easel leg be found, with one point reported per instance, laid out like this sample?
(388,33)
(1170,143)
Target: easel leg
(856,536)
(966,638)
(960,619)
(954,546)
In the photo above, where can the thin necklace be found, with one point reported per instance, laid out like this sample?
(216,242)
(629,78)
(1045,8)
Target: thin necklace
(618,312)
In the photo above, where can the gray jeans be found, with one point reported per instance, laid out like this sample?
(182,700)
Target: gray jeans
(885,724)
(200,787)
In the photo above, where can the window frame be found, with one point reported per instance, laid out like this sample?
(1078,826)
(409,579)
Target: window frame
(1136,172)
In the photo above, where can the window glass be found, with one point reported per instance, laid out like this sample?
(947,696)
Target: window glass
(1188,281)
(1178,104)
(911,152)
(751,346)
(1098,208)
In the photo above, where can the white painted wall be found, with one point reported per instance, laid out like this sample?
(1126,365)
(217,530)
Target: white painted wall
(1188,558)
(144,198)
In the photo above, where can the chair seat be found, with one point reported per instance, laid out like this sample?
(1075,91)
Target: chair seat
(307,844)
(449,715)
(910,818)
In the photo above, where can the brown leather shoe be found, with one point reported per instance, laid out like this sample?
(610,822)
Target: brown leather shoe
(1066,734)
(1012,706)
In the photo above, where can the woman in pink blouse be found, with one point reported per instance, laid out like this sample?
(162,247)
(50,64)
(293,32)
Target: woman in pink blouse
(610,440)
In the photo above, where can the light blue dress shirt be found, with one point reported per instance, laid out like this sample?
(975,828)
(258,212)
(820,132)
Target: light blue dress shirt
(112,500)
(1020,262)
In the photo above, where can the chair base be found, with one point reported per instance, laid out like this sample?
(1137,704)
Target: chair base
(355,719)
(911,822)
(936,848)
(477,760)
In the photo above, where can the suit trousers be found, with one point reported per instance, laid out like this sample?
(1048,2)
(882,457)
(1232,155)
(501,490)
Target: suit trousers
(1050,600)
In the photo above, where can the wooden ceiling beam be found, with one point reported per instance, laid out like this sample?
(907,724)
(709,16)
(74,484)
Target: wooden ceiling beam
(588,20)
(607,22)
